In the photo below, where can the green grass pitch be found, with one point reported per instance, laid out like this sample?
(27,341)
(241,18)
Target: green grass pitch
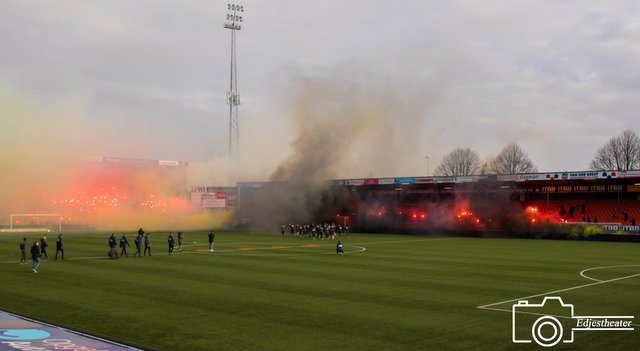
(267,292)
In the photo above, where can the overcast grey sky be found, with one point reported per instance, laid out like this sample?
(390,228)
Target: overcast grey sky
(148,78)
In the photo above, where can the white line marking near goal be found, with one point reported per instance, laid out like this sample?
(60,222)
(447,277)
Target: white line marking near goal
(582,273)
(535,313)
(561,290)
(490,307)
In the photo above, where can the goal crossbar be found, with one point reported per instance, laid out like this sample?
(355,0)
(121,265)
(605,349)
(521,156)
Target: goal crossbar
(59,216)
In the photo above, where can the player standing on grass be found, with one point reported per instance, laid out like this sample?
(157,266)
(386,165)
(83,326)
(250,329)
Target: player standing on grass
(212,237)
(113,253)
(124,242)
(171,242)
(35,256)
(180,241)
(138,243)
(23,249)
(339,248)
(59,247)
(147,244)
(43,248)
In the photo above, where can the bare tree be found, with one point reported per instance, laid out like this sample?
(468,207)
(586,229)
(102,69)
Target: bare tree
(459,162)
(512,160)
(485,166)
(620,153)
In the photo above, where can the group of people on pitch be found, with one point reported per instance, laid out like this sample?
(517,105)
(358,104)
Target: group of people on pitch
(141,238)
(316,231)
(39,247)
(38,250)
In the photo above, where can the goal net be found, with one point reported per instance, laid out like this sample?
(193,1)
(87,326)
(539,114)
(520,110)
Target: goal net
(28,222)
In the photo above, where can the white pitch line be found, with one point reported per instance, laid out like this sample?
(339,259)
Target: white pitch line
(535,313)
(176,253)
(156,254)
(597,282)
(603,267)
(560,290)
(204,244)
(247,252)
(96,257)
(321,241)
(406,241)
(296,245)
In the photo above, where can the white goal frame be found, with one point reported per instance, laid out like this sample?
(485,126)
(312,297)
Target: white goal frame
(59,216)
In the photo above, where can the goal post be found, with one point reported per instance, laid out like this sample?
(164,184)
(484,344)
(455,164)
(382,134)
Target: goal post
(54,219)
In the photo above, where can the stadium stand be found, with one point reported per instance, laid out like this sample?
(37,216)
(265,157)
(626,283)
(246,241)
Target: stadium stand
(623,212)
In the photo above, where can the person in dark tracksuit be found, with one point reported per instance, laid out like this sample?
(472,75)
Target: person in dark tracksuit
(23,249)
(35,256)
(59,247)
(43,248)
(147,244)
(124,242)
(171,242)
(339,248)
(180,241)
(212,237)
(113,253)
(138,243)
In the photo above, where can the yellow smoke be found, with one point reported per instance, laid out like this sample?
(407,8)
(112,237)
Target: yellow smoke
(41,144)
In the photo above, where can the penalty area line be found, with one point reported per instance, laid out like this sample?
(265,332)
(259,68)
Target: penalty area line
(560,290)
(531,313)
(489,307)
(582,273)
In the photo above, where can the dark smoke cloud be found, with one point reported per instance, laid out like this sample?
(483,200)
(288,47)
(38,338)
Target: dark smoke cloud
(351,122)
(348,122)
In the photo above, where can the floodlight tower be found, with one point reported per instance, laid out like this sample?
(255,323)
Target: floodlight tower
(234,19)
